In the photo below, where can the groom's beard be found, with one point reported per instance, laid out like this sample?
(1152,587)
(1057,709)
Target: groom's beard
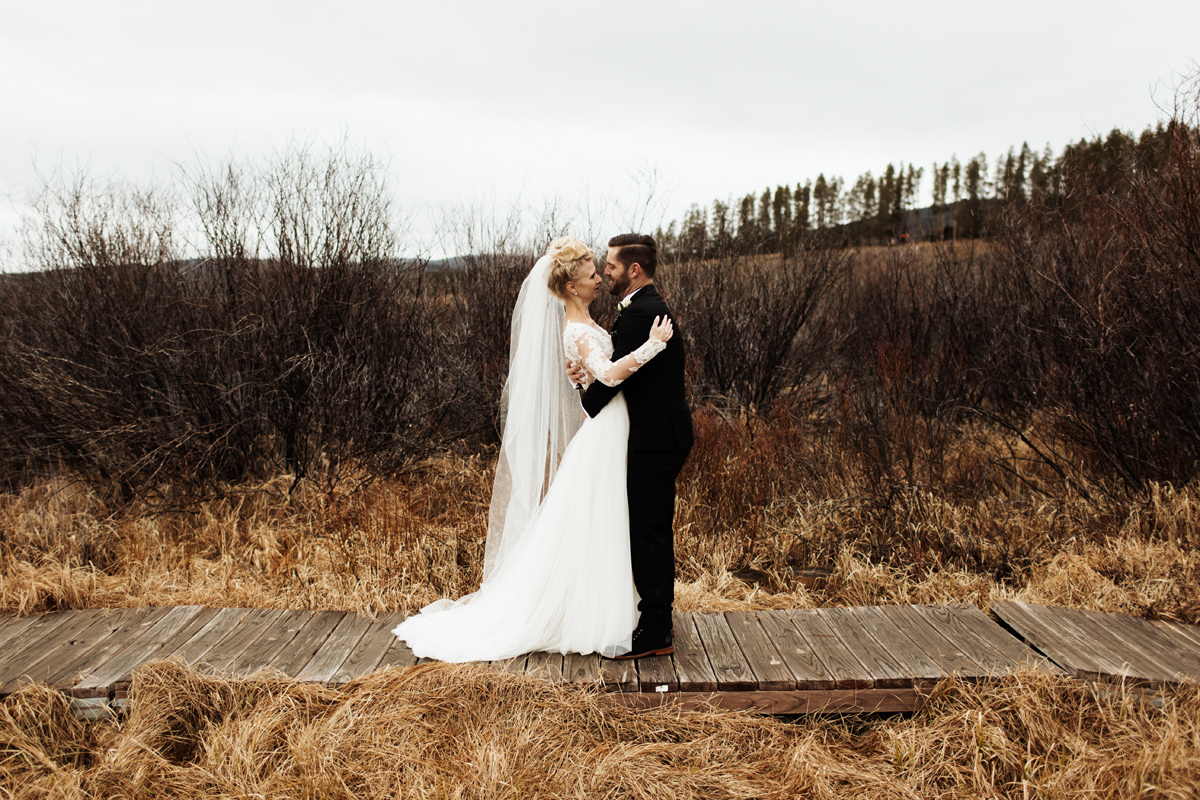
(619,286)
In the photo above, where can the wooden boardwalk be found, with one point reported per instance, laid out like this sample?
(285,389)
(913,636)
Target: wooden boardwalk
(870,659)
(1109,648)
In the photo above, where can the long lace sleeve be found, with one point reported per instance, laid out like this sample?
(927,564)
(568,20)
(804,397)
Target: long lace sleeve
(610,373)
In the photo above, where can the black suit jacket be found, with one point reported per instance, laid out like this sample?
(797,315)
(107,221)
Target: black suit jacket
(659,418)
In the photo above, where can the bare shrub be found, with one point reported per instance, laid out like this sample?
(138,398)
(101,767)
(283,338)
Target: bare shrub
(758,326)
(930,308)
(484,289)
(298,340)
(1110,286)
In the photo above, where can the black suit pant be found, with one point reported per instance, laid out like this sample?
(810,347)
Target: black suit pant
(651,489)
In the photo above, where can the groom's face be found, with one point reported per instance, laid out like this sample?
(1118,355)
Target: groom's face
(616,272)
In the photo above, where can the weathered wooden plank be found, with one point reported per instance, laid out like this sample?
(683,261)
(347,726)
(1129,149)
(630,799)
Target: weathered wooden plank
(835,701)
(545,665)
(40,641)
(1186,637)
(657,674)
(994,655)
(618,676)
(104,642)
(764,659)
(924,670)
(1021,654)
(370,650)
(196,647)
(886,672)
(515,665)
(1117,660)
(728,662)
(45,634)
(1062,641)
(70,652)
(1170,651)
(1152,661)
(194,625)
(950,658)
(580,668)
(1190,631)
(249,626)
(12,627)
(810,673)
(37,658)
(101,680)
(692,667)
(297,653)
(269,642)
(399,654)
(846,670)
(328,659)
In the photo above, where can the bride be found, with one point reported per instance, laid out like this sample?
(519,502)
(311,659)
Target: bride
(556,573)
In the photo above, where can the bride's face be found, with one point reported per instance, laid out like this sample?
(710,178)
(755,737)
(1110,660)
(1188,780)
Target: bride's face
(588,282)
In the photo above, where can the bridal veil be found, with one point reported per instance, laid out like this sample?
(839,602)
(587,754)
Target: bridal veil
(539,413)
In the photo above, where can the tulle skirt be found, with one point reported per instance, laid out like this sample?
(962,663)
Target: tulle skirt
(567,585)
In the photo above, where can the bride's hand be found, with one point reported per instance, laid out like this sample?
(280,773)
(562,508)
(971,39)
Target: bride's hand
(661,332)
(576,373)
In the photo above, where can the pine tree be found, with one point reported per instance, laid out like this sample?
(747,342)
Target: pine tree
(887,198)
(1039,175)
(765,232)
(693,234)
(912,185)
(896,218)
(860,200)
(971,214)
(747,232)
(721,232)
(941,177)
(939,185)
(801,198)
(1024,159)
(820,198)
(1005,179)
(835,201)
(781,209)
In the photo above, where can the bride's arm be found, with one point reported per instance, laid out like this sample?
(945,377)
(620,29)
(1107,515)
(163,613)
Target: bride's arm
(612,373)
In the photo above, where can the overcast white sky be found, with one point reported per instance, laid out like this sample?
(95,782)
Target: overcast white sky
(473,101)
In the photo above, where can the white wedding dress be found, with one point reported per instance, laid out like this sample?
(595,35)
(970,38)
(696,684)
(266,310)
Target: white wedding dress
(565,585)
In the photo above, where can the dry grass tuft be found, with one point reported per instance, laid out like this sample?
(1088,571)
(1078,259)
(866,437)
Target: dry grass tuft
(44,749)
(771,515)
(763,503)
(460,731)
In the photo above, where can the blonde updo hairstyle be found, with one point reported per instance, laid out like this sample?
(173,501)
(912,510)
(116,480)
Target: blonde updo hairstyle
(567,255)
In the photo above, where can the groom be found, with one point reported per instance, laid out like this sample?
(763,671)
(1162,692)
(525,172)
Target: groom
(660,434)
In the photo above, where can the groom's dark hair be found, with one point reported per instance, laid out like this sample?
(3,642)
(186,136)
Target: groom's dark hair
(636,248)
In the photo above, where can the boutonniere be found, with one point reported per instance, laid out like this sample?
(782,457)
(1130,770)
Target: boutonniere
(624,304)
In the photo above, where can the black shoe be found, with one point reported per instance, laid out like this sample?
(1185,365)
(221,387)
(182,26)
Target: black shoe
(646,643)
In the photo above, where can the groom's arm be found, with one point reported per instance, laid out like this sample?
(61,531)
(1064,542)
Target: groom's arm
(632,333)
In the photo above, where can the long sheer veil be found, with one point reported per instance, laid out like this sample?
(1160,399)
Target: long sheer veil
(539,414)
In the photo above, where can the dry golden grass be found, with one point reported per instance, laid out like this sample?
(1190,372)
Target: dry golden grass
(455,732)
(762,504)
(761,501)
